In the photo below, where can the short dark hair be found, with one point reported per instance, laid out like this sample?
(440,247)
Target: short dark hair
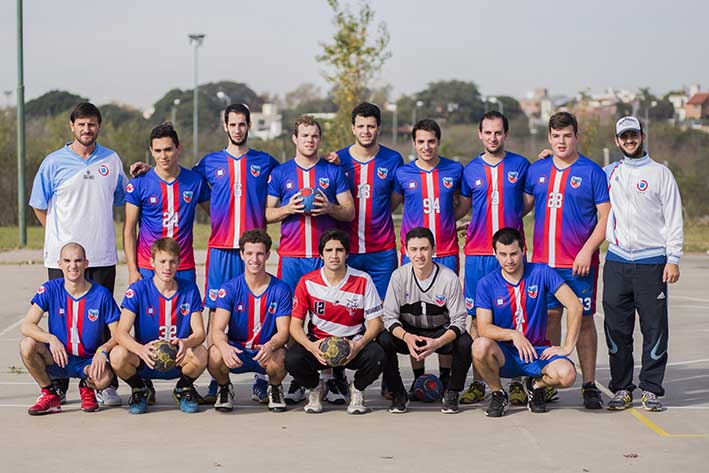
(164,130)
(306,120)
(495,115)
(334,234)
(366,109)
(255,235)
(420,232)
(427,125)
(562,120)
(85,110)
(238,108)
(166,244)
(507,236)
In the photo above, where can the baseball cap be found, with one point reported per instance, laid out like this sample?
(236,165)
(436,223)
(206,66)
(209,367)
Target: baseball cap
(627,124)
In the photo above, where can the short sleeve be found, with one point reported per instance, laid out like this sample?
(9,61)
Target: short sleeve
(284,301)
(529,181)
(133,191)
(196,299)
(483,295)
(110,309)
(119,194)
(274,183)
(42,187)
(465,189)
(600,186)
(552,280)
(41,297)
(341,184)
(204,193)
(130,299)
(300,301)
(225,297)
(372,303)
(397,181)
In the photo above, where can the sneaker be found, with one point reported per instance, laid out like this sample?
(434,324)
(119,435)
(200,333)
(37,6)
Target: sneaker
(314,405)
(517,395)
(138,402)
(259,391)
(47,403)
(498,403)
(551,394)
(535,398)
(651,403)
(295,394)
(211,396)
(399,403)
(109,397)
(151,391)
(88,398)
(334,393)
(591,396)
(276,402)
(357,405)
(225,398)
(622,399)
(474,393)
(186,399)
(450,402)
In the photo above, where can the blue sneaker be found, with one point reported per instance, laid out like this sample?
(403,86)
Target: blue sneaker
(138,402)
(187,400)
(211,396)
(259,391)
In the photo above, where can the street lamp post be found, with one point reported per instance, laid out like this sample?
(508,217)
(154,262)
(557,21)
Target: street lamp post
(495,100)
(196,40)
(418,104)
(173,115)
(226,100)
(391,107)
(21,205)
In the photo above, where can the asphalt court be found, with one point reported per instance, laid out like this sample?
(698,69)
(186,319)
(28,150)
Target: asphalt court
(568,438)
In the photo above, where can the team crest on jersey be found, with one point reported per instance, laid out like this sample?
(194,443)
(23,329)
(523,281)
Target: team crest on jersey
(289,185)
(440,300)
(130,188)
(532,291)
(150,311)
(642,185)
(324,182)
(513,176)
(61,312)
(153,199)
(221,172)
(412,185)
(255,170)
(469,303)
(93,315)
(382,173)
(130,293)
(187,196)
(499,302)
(222,293)
(185,309)
(272,307)
(213,294)
(103,170)
(542,179)
(575,182)
(41,290)
(448,182)
(240,307)
(478,182)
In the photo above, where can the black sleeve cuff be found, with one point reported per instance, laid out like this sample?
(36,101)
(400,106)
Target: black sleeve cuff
(455,329)
(396,324)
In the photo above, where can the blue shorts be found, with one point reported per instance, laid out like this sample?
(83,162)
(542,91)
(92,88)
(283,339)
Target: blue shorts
(146,373)
(73,369)
(451,262)
(379,265)
(187,275)
(584,287)
(476,267)
(223,264)
(291,269)
(514,366)
(247,358)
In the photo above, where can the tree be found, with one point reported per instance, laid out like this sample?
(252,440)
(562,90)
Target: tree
(52,103)
(458,102)
(355,56)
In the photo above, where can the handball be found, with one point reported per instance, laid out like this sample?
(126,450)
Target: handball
(428,388)
(308,194)
(165,355)
(335,350)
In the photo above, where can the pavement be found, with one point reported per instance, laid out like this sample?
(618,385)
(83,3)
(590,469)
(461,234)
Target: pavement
(566,439)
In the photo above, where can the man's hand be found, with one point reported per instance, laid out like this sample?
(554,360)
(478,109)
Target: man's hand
(555,351)
(670,274)
(138,168)
(462,228)
(134,276)
(321,204)
(412,342)
(582,263)
(526,351)
(98,365)
(332,158)
(58,352)
(147,354)
(429,347)
(295,204)
(314,348)
(230,355)
(355,348)
(545,153)
(181,350)
(264,354)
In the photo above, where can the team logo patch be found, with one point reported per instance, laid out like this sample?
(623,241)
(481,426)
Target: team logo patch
(185,309)
(447,182)
(289,185)
(440,300)
(575,182)
(478,182)
(412,185)
(642,185)
(130,188)
(150,311)
(221,172)
(532,291)
(255,170)
(272,307)
(153,199)
(469,303)
(61,311)
(542,179)
(324,182)
(103,170)
(222,293)
(93,315)
(187,196)
(130,293)
(513,176)
(40,290)
(499,302)
(382,173)
(213,294)
(240,307)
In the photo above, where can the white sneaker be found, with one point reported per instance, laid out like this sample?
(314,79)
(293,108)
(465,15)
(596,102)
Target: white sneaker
(357,405)
(109,397)
(295,394)
(225,398)
(314,405)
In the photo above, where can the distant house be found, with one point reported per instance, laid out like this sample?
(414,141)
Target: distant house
(268,124)
(697,107)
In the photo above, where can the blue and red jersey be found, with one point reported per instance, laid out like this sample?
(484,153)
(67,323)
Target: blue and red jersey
(521,306)
(428,202)
(166,210)
(238,201)
(79,323)
(253,316)
(497,194)
(565,211)
(300,233)
(371,185)
(160,317)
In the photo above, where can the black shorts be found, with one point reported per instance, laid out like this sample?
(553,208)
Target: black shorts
(103,275)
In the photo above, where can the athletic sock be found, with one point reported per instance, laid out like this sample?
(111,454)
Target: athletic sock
(445,375)
(418,372)
(135,382)
(184,382)
(51,388)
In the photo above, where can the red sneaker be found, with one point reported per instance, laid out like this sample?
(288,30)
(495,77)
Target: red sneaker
(47,403)
(88,399)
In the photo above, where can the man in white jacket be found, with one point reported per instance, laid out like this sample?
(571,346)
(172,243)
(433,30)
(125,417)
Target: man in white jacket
(645,236)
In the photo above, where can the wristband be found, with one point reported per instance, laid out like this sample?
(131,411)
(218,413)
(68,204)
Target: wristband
(104,352)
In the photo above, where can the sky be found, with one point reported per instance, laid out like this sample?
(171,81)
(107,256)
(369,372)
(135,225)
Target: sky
(133,52)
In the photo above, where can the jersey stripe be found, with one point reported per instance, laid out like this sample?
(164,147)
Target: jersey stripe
(364,186)
(168,318)
(305,180)
(257,314)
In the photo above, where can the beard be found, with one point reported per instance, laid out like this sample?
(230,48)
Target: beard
(495,152)
(639,152)
(238,143)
